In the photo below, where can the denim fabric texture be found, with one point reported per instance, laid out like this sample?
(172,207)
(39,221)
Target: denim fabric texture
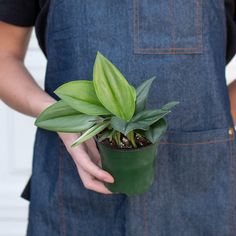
(182,43)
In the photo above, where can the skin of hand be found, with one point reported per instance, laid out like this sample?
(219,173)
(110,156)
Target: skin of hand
(88,163)
(232,96)
(19,91)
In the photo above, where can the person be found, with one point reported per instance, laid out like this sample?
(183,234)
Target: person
(187,47)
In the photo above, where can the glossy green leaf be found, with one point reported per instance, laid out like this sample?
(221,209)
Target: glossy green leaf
(57,109)
(140,121)
(97,128)
(142,94)
(81,96)
(62,118)
(156,130)
(112,89)
(119,124)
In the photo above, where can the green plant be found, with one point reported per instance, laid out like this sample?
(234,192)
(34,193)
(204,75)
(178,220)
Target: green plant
(108,106)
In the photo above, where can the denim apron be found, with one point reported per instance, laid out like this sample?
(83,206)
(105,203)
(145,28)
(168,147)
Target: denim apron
(182,43)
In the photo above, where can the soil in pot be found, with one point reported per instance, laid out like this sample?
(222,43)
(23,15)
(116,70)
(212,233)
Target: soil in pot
(125,143)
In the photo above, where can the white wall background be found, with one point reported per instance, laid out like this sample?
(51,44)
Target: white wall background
(16,144)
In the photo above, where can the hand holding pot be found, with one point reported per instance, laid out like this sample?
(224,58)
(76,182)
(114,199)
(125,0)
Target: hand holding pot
(88,161)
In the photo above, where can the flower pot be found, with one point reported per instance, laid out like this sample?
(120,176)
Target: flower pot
(132,169)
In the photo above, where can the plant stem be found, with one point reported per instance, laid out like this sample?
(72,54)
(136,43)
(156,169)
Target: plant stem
(117,138)
(130,136)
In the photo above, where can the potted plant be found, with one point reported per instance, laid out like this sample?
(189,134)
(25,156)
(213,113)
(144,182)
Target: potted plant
(114,113)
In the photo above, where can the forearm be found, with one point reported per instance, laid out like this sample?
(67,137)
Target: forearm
(232,95)
(19,90)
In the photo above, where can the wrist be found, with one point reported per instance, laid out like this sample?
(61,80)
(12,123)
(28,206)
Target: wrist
(36,109)
(37,99)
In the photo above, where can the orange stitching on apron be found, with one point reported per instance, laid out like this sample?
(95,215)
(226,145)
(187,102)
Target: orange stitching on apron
(140,51)
(196,143)
(172,17)
(136,23)
(199,26)
(165,49)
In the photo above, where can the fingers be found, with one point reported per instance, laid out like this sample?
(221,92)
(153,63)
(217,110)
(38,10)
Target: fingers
(82,159)
(85,156)
(93,152)
(91,183)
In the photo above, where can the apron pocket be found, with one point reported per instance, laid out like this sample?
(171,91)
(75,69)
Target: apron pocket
(199,182)
(167,27)
(196,159)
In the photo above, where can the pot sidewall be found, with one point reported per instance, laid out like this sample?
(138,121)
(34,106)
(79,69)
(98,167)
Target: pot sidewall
(132,169)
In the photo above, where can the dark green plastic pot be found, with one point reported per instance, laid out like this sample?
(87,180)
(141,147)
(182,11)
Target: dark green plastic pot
(132,169)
